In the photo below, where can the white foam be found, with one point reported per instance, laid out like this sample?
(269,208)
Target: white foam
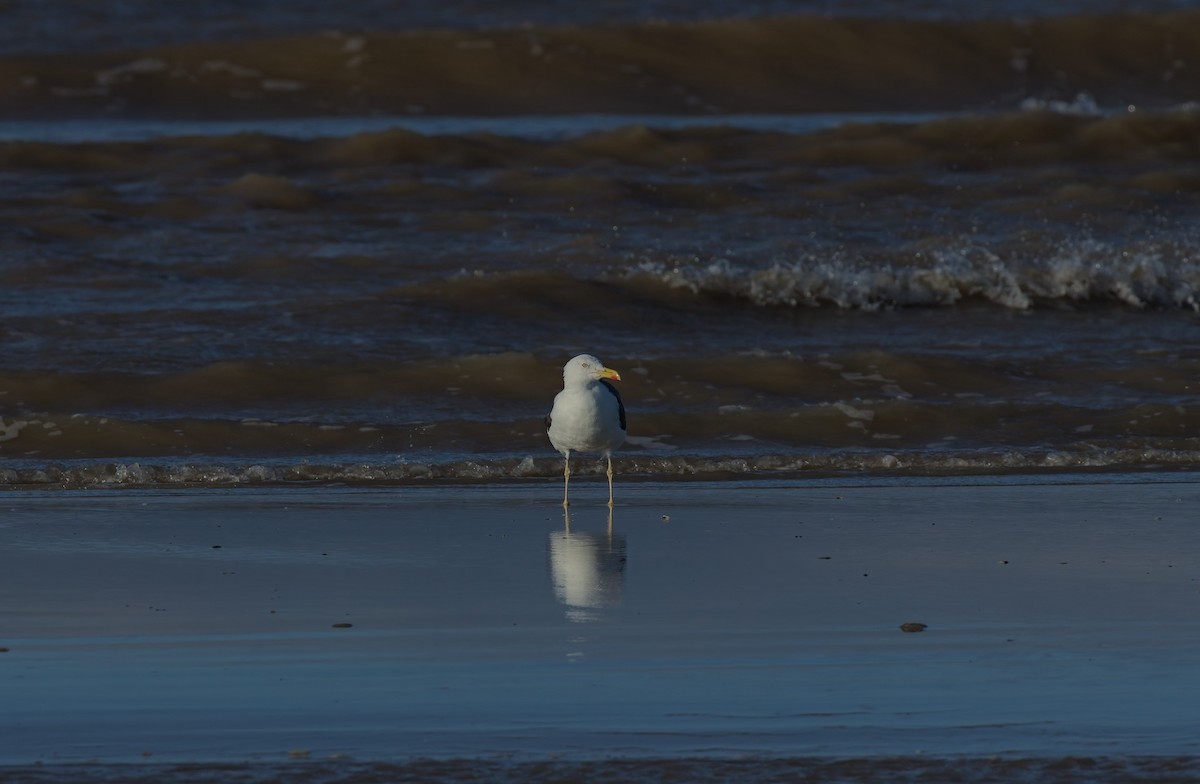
(1077,270)
(1082,105)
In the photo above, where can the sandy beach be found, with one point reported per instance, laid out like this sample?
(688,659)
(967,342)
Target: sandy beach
(752,621)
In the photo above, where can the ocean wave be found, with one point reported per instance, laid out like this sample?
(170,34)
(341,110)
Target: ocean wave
(937,272)
(942,398)
(567,164)
(782,64)
(1079,271)
(1155,143)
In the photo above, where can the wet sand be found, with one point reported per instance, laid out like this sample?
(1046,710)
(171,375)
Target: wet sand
(748,620)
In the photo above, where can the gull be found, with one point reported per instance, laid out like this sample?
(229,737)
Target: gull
(587,416)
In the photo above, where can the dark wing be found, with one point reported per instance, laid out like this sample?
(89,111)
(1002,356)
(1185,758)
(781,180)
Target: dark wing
(617,395)
(547,421)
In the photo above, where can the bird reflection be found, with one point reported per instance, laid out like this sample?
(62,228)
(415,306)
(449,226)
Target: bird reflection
(587,569)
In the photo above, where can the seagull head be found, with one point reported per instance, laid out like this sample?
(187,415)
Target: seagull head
(586,368)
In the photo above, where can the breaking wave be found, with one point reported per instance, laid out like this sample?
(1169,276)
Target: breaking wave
(1088,271)
(527,469)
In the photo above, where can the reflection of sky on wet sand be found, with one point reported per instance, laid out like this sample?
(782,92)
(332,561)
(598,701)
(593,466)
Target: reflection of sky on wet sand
(757,618)
(587,570)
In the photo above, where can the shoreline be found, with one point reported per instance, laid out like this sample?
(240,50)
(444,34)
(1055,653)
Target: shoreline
(881,468)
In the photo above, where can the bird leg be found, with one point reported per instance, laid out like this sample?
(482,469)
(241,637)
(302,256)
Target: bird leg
(610,494)
(566,478)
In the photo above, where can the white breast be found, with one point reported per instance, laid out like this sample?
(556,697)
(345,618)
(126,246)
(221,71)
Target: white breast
(586,419)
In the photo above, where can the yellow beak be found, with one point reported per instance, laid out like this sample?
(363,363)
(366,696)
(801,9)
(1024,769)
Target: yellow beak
(610,373)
